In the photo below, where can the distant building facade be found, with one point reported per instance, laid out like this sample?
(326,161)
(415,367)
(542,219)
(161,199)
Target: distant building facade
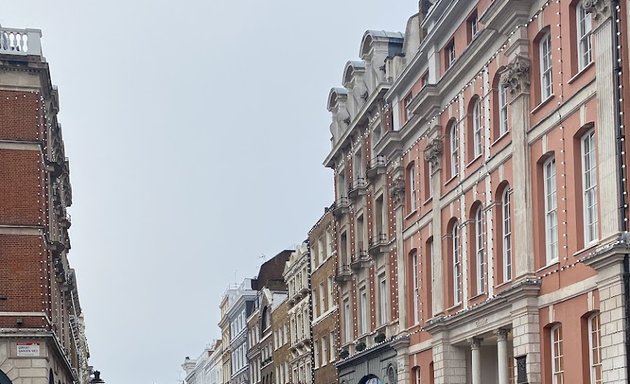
(42,338)
(237,305)
(282,340)
(297,276)
(324,297)
(207,369)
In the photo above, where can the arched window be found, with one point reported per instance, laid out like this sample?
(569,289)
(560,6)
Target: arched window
(557,355)
(589,186)
(412,195)
(413,261)
(454,148)
(544,56)
(594,347)
(457,264)
(476,127)
(551,210)
(506,234)
(584,26)
(480,257)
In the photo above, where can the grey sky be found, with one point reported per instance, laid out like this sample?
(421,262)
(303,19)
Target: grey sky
(196,130)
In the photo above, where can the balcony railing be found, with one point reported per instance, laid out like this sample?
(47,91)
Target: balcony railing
(342,205)
(357,188)
(378,166)
(20,42)
(378,244)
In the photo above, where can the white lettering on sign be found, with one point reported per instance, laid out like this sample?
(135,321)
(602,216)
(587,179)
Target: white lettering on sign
(27,349)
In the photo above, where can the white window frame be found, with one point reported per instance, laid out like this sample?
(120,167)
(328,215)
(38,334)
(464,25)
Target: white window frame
(457,265)
(331,350)
(416,288)
(347,317)
(476,125)
(454,147)
(503,110)
(331,292)
(450,53)
(546,76)
(324,355)
(595,350)
(316,353)
(363,304)
(589,187)
(506,234)
(480,256)
(412,188)
(557,355)
(551,210)
(473,22)
(584,44)
(382,297)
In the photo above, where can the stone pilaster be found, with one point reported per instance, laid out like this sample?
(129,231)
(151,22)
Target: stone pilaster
(433,155)
(517,79)
(606,139)
(526,338)
(449,362)
(401,346)
(475,349)
(502,356)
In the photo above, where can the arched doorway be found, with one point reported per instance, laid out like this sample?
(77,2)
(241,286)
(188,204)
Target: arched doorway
(4,379)
(370,379)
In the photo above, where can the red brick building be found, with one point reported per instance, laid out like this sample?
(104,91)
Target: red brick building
(501,144)
(42,338)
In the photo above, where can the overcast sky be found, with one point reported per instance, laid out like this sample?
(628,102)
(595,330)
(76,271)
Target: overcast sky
(196,131)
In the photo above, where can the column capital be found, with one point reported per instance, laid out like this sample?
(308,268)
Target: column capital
(599,9)
(516,75)
(433,152)
(475,342)
(502,334)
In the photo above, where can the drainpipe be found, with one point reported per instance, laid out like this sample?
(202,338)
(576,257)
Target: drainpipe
(620,152)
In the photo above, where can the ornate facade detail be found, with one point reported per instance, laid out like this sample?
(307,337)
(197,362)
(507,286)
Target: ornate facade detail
(599,9)
(516,76)
(397,190)
(433,152)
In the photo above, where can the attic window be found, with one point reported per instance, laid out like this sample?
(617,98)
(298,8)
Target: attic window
(449,53)
(473,26)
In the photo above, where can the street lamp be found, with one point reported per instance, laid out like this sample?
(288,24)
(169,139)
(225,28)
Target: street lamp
(97,378)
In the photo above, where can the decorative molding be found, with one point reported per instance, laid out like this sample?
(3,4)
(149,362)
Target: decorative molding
(516,75)
(433,152)
(599,9)
(397,190)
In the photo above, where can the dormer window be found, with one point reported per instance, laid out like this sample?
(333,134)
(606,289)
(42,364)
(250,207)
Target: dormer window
(406,106)
(473,26)
(450,54)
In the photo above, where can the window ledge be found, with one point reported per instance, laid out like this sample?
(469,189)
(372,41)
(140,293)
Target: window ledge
(454,307)
(593,244)
(504,283)
(471,162)
(427,201)
(500,138)
(580,72)
(555,263)
(451,179)
(412,213)
(542,104)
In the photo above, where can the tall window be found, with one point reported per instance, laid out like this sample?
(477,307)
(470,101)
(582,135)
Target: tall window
(503,110)
(416,375)
(450,54)
(589,187)
(557,356)
(544,47)
(476,128)
(347,320)
(331,340)
(457,266)
(454,147)
(322,298)
(382,297)
(330,291)
(479,250)
(583,36)
(364,311)
(473,26)
(595,353)
(411,176)
(551,210)
(407,106)
(506,235)
(324,351)
(316,353)
(416,288)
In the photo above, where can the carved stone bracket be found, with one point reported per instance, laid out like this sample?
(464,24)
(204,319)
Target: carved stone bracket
(599,9)
(397,190)
(433,152)
(516,76)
